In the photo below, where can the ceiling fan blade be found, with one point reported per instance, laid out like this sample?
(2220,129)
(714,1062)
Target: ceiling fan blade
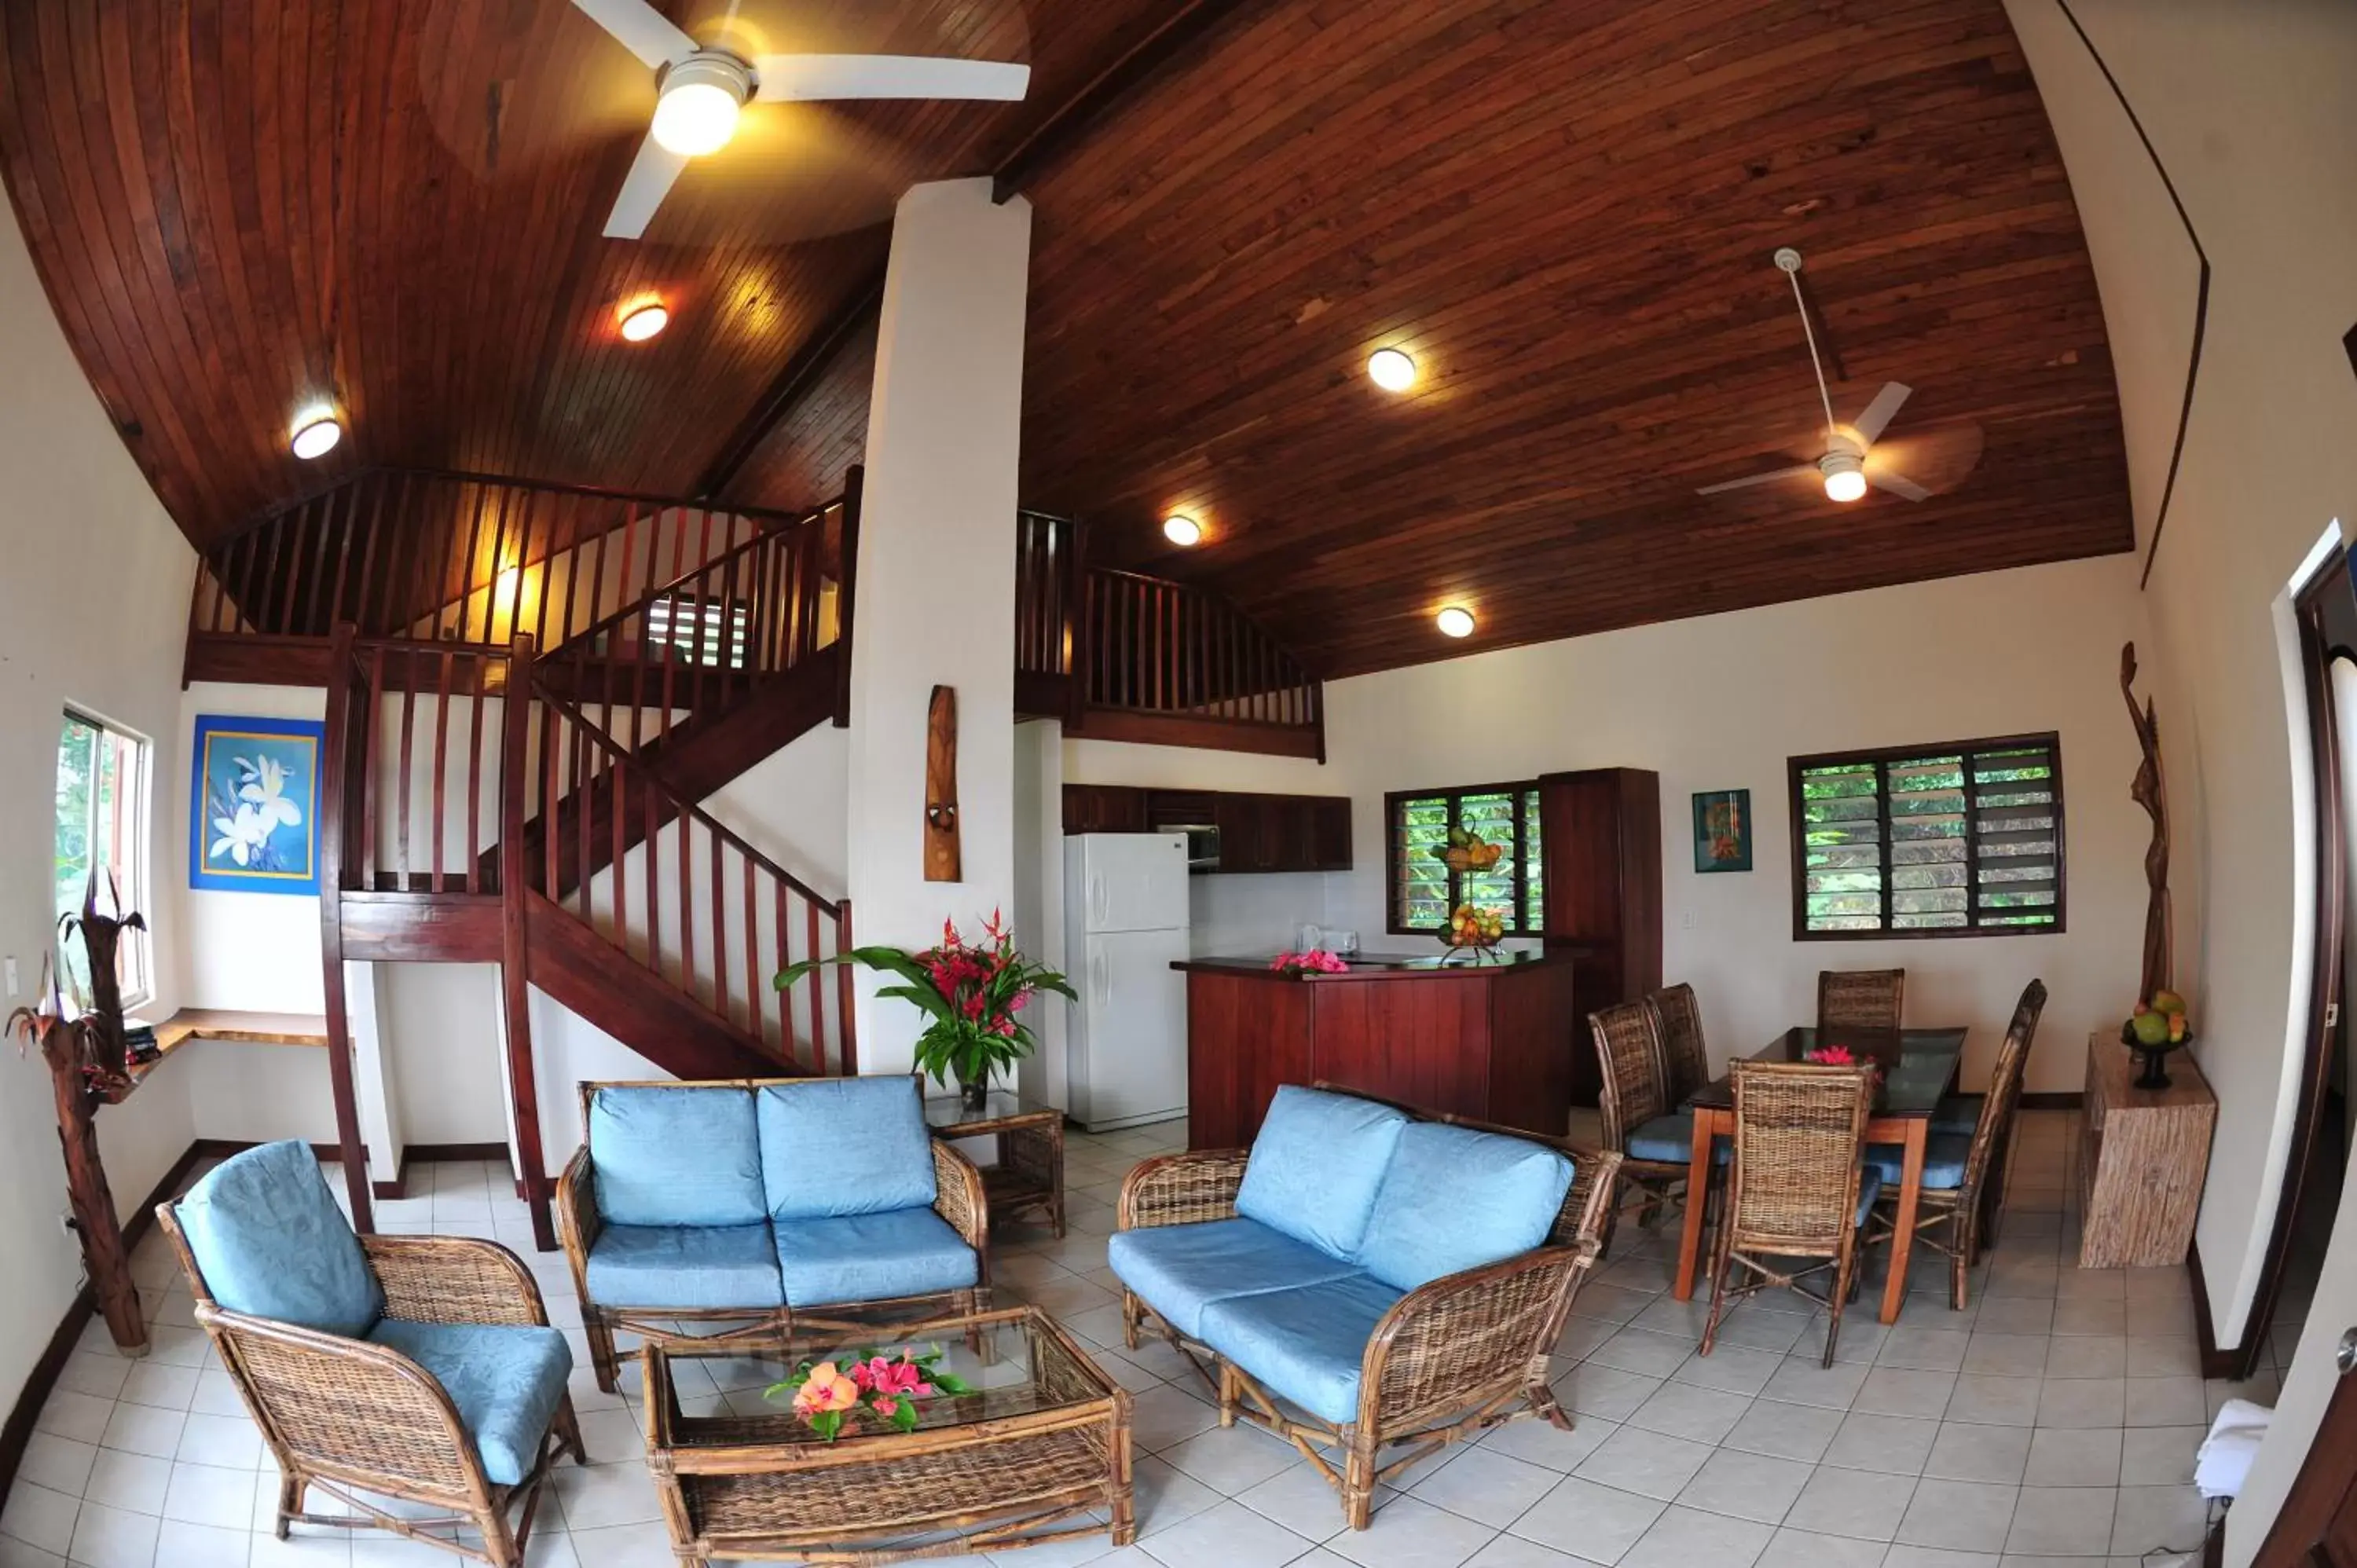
(1898,485)
(639,28)
(1869,424)
(1796,471)
(650,180)
(805,78)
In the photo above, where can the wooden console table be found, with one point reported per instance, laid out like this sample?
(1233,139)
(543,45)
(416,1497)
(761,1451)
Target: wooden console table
(2143,1156)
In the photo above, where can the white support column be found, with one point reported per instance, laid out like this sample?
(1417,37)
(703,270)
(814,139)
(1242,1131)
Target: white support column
(936,577)
(373,1091)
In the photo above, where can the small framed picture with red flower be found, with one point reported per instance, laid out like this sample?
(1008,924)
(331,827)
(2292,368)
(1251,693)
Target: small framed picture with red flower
(1722,829)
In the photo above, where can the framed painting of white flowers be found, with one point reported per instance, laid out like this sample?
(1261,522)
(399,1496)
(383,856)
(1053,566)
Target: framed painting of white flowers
(255,823)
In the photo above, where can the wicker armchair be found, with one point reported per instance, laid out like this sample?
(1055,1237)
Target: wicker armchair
(1633,1105)
(960,1200)
(1799,1189)
(1859,998)
(1677,1025)
(342,1413)
(1955,1215)
(1447,1362)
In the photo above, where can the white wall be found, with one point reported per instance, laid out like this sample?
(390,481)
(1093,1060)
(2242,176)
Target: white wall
(2247,107)
(441,1023)
(93,606)
(251,951)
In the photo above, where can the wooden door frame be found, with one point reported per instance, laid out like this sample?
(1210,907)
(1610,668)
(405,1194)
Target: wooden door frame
(2311,603)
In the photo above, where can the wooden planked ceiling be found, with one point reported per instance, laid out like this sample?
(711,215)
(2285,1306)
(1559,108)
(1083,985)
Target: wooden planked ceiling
(395,204)
(1564,210)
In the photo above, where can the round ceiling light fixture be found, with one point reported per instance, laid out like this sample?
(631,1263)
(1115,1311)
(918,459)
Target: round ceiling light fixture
(1455,620)
(1182,531)
(1392,369)
(1845,476)
(642,322)
(696,112)
(316,431)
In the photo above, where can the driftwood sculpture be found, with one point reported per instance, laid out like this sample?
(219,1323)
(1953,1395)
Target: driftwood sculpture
(87,1069)
(2150,792)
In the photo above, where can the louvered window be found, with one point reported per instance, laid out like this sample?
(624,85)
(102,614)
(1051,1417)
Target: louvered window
(1423,889)
(1962,839)
(705,631)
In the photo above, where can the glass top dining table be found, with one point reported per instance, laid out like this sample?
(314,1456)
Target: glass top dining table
(1918,1069)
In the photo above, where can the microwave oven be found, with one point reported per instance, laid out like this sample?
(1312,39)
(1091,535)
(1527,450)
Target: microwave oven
(1202,842)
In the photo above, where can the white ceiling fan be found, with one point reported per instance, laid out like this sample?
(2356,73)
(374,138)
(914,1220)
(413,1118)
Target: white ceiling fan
(1852,460)
(701,91)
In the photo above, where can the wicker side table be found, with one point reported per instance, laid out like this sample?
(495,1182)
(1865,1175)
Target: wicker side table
(1029,1173)
(1039,1453)
(2143,1157)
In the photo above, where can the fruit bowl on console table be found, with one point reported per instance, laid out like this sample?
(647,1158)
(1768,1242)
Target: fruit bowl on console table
(2152,1058)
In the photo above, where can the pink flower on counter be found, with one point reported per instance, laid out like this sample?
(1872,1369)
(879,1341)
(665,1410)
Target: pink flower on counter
(1317,960)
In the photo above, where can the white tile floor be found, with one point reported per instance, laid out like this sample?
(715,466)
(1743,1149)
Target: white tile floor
(2056,1418)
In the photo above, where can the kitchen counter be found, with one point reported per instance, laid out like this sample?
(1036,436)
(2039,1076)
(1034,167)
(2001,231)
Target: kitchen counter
(1491,1041)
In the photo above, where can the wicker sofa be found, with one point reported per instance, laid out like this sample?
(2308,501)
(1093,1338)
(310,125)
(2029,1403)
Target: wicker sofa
(698,1213)
(1365,1276)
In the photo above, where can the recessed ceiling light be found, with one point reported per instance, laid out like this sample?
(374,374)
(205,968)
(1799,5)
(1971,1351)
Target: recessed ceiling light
(1181,530)
(1845,476)
(1455,622)
(644,322)
(696,112)
(1391,369)
(316,431)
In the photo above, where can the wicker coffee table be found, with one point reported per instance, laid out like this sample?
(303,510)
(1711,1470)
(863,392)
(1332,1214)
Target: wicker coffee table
(1039,1453)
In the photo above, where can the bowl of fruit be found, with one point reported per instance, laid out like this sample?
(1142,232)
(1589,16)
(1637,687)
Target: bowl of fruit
(1474,932)
(1467,851)
(2158,1025)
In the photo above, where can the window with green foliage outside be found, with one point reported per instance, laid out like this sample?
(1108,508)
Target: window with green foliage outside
(1958,839)
(1424,889)
(101,820)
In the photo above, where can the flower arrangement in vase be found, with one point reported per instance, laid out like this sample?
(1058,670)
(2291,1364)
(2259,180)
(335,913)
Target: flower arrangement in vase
(971,993)
(1313,961)
(869,1385)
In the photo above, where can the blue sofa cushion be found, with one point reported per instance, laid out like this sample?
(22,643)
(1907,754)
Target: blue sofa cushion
(872,1257)
(1306,1344)
(507,1381)
(1178,1270)
(844,1146)
(1669,1140)
(271,1242)
(1454,1199)
(1943,1161)
(1958,1113)
(677,1156)
(1315,1166)
(685,1265)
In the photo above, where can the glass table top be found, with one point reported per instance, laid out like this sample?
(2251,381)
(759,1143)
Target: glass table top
(1919,1065)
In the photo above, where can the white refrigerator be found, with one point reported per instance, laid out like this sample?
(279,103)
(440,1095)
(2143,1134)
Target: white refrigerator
(1125,924)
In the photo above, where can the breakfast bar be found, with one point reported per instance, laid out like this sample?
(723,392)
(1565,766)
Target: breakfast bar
(1491,1041)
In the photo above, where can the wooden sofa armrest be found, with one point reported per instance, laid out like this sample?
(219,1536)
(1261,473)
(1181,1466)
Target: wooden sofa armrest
(577,1223)
(1466,1337)
(363,1411)
(1181,1189)
(961,1200)
(454,1279)
(1595,1175)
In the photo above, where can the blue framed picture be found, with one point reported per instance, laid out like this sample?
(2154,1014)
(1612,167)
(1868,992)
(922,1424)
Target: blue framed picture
(1722,829)
(254,826)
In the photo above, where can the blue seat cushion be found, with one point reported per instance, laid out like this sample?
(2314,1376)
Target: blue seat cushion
(1315,1166)
(677,1156)
(872,1257)
(1943,1161)
(1307,1344)
(845,1145)
(1869,1188)
(506,1380)
(1958,1113)
(270,1242)
(1178,1270)
(684,1266)
(1453,1200)
(1669,1140)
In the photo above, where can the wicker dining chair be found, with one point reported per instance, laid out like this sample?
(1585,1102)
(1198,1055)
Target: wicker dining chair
(1859,998)
(1677,1025)
(1962,1192)
(1801,1188)
(1638,1118)
(362,1421)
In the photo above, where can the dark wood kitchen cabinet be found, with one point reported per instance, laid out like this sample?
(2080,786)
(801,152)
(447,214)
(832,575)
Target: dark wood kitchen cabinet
(1105,808)
(1258,832)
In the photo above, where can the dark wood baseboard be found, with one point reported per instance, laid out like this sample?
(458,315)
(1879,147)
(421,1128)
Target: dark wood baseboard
(17,1429)
(2217,1360)
(2054,1099)
(433,1153)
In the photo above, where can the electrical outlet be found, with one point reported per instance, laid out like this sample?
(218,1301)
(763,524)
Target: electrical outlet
(12,974)
(66,1224)
(1685,920)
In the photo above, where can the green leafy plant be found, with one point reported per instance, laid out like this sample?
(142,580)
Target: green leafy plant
(972,994)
